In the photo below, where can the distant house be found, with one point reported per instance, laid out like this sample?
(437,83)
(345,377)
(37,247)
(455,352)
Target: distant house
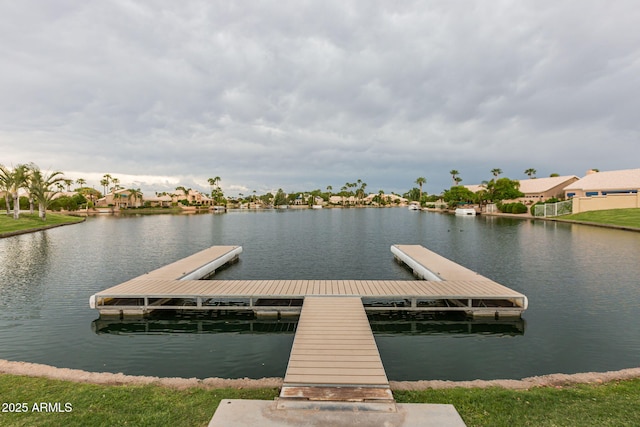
(194,197)
(603,183)
(474,188)
(338,200)
(121,199)
(538,189)
(389,198)
(163,201)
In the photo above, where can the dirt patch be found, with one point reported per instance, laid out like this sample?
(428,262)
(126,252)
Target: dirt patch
(107,378)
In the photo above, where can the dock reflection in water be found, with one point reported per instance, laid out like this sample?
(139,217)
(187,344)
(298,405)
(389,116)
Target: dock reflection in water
(193,324)
(446,325)
(245,324)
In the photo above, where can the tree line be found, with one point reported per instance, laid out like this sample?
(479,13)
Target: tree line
(494,190)
(39,186)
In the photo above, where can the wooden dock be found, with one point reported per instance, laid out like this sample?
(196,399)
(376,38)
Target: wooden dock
(169,288)
(197,266)
(334,356)
(428,265)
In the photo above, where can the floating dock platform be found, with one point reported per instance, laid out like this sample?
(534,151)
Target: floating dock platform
(335,374)
(449,288)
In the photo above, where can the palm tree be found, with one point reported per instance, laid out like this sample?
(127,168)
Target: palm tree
(496,172)
(13,181)
(343,190)
(215,188)
(68,183)
(5,186)
(116,184)
(135,194)
(214,181)
(531,172)
(454,175)
(81,182)
(106,181)
(40,186)
(420,181)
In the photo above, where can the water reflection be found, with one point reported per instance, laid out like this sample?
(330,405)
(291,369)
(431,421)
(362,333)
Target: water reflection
(191,326)
(382,325)
(448,327)
(26,261)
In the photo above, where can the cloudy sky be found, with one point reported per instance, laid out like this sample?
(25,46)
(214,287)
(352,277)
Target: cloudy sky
(305,94)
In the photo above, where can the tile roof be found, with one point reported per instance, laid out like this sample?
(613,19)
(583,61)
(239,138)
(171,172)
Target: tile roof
(608,180)
(535,185)
(540,185)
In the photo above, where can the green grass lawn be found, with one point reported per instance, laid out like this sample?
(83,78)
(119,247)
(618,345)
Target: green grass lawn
(610,404)
(619,217)
(29,222)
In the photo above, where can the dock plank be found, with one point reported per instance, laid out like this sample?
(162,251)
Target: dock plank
(333,345)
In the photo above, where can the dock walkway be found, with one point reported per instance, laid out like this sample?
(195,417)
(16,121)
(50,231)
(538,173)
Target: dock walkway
(334,355)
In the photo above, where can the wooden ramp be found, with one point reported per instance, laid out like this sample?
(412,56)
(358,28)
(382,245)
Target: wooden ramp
(334,356)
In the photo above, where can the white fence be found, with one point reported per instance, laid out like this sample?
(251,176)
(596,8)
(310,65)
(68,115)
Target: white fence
(554,209)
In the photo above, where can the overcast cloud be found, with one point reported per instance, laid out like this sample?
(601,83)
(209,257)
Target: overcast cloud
(301,95)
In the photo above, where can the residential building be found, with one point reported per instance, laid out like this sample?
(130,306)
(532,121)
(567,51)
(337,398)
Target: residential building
(121,199)
(194,197)
(163,201)
(537,189)
(605,183)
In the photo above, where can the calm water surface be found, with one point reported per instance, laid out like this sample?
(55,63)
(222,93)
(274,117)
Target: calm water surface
(582,284)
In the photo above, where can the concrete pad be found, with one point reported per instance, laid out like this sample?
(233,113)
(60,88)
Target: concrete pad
(264,413)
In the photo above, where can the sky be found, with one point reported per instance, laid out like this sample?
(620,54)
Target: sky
(301,95)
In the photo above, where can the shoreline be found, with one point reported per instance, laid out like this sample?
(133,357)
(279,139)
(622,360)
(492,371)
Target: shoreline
(36,229)
(107,378)
(502,215)
(566,221)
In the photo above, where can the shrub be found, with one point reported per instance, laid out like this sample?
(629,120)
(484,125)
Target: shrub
(518,208)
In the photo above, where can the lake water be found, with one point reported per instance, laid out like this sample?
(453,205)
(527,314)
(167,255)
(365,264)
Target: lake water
(582,283)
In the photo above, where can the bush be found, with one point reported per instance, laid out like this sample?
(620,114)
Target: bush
(24,203)
(516,208)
